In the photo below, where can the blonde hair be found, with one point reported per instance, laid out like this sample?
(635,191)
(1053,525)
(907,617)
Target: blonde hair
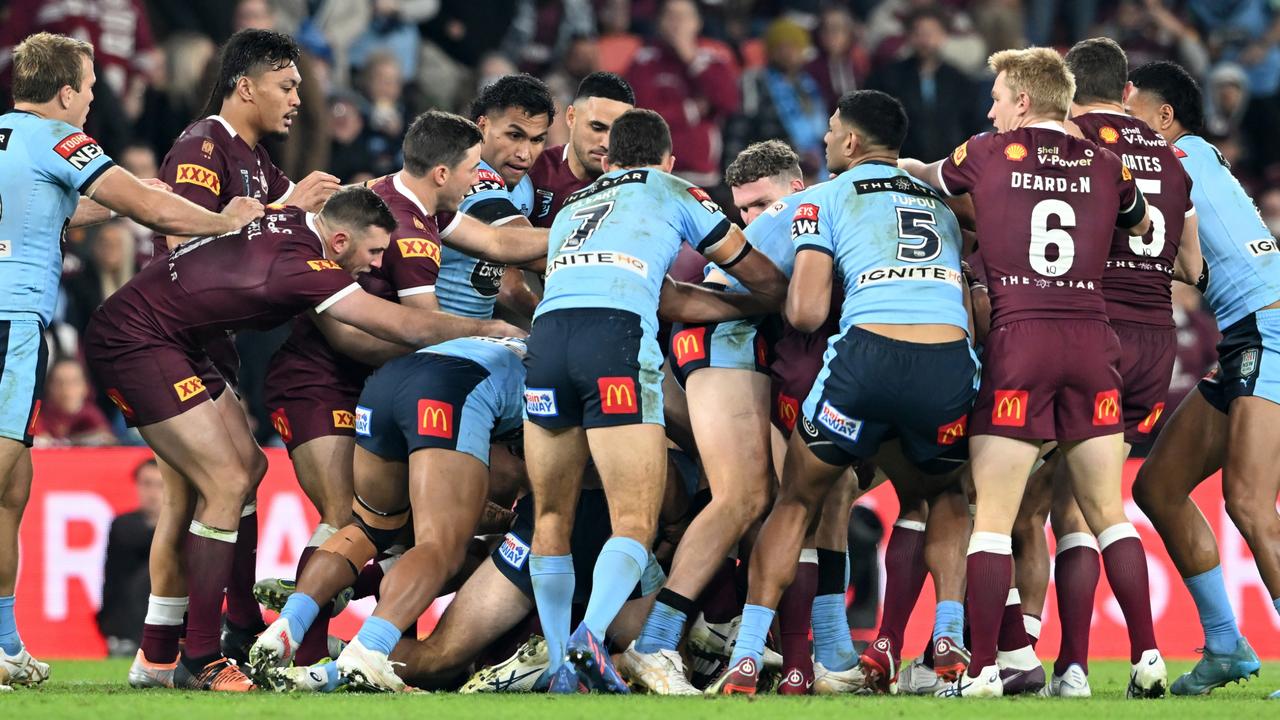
(1041,73)
(45,63)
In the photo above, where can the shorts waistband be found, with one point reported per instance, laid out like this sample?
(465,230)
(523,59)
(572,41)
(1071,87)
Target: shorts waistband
(589,313)
(868,336)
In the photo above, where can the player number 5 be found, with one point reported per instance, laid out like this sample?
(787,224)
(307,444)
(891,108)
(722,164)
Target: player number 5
(1138,243)
(1042,238)
(922,227)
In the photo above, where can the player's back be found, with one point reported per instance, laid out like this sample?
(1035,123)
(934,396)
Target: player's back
(1243,257)
(770,233)
(1139,273)
(504,359)
(44,166)
(1047,205)
(614,240)
(894,242)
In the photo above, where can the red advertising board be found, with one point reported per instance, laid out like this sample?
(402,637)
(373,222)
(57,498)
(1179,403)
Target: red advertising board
(77,492)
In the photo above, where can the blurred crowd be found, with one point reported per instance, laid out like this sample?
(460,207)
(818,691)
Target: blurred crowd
(724,73)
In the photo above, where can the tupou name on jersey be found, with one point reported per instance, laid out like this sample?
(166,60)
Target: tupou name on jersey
(1029,181)
(928,273)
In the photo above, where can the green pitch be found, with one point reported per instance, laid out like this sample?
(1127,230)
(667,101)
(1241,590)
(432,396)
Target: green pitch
(96,690)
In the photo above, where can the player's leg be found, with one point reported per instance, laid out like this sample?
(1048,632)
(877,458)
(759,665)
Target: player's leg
(904,576)
(833,653)
(945,542)
(1020,669)
(167,604)
(1077,567)
(21,668)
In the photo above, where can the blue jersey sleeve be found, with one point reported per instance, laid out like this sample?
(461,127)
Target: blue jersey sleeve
(811,228)
(488,200)
(70,157)
(522,196)
(700,221)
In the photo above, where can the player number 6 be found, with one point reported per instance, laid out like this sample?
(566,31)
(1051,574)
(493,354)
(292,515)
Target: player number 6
(1042,237)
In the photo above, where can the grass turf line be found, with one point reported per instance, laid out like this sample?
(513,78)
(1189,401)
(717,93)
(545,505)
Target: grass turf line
(99,687)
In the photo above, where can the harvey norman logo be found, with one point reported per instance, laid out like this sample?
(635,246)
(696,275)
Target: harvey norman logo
(600,258)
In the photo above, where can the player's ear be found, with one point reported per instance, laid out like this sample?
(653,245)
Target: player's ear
(1127,93)
(796,185)
(244,88)
(339,241)
(1166,116)
(482,122)
(669,163)
(569,113)
(439,175)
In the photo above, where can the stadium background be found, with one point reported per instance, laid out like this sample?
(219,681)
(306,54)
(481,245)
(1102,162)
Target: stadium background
(723,72)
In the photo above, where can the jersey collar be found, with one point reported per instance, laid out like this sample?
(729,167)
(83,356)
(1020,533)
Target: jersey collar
(1049,125)
(223,121)
(310,219)
(401,188)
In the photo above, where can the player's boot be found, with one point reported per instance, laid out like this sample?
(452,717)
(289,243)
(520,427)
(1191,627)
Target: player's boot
(920,679)
(795,682)
(518,673)
(880,665)
(590,658)
(1149,677)
(237,640)
(1021,672)
(274,648)
(740,679)
(661,672)
(323,677)
(146,674)
(1074,683)
(770,659)
(369,669)
(273,593)
(1214,670)
(987,684)
(23,669)
(949,659)
(221,675)
(712,639)
(838,682)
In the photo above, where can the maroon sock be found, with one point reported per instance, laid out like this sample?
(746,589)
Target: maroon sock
(1075,577)
(795,612)
(1126,565)
(1035,639)
(208,571)
(1013,633)
(987,588)
(307,552)
(903,579)
(719,600)
(160,642)
(368,580)
(242,608)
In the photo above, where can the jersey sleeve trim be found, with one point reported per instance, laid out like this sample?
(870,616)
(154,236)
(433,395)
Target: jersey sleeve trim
(711,242)
(942,181)
(337,296)
(491,211)
(1134,213)
(287,192)
(453,225)
(1189,213)
(814,246)
(503,221)
(87,185)
(420,290)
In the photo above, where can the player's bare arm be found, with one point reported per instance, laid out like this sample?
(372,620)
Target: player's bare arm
(515,243)
(165,212)
(691,303)
(1189,264)
(809,299)
(749,266)
(930,174)
(311,192)
(358,344)
(89,212)
(408,326)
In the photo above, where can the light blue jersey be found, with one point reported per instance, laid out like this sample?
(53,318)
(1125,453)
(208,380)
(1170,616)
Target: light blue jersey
(614,241)
(770,233)
(45,165)
(895,244)
(469,286)
(1244,259)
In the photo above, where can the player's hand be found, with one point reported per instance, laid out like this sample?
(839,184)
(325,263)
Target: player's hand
(243,210)
(156,183)
(498,328)
(313,190)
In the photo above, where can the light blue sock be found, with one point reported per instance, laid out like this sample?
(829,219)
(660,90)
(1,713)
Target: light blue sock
(832,644)
(333,680)
(10,642)
(756,621)
(378,634)
(552,578)
(948,621)
(618,569)
(662,630)
(300,610)
(1216,616)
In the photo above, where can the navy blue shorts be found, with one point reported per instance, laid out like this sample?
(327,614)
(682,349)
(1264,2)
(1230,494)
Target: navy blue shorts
(1248,362)
(592,367)
(872,389)
(735,345)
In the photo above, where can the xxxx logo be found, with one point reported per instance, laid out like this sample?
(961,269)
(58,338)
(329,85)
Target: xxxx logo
(192,174)
(344,419)
(323,265)
(419,248)
(188,388)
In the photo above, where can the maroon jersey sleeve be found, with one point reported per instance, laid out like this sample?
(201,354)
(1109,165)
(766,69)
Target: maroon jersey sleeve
(962,169)
(1133,207)
(412,260)
(196,169)
(302,276)
(279,186)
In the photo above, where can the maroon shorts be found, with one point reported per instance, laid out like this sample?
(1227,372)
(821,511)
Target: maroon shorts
(1147,354)
(311,392)
(797,360)
(1049,380)
(152,380)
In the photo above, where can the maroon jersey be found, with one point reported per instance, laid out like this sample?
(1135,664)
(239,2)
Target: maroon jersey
(209,165)
(1137,280)
(1047,204)
(553,181)
(255,279)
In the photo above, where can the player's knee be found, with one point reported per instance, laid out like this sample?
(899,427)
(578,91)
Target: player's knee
(1149,498)
(1251,512)
(257,467)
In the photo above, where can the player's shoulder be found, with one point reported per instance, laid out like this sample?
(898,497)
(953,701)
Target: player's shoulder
(488,179)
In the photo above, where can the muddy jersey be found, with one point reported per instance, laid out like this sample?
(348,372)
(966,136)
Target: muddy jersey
(253,279)
(553,182)
(1047,206)
(1137,280)
(209,165)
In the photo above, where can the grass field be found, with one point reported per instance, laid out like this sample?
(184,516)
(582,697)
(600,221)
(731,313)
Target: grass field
(96,689)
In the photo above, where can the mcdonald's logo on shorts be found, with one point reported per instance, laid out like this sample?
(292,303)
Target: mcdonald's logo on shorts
(188,388)
(435,418)
(951,433)
(280,422)
(1106,408)
(344,419)
(617,395)
(1152,418)
(690,345)
(788,411)
(119,402)
(1010,408)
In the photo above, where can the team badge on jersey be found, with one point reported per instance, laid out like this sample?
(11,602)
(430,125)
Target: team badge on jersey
(1015,152)
(1125,174)
(839,423)
(1249,362)
(540,402)
(206,148)
(78,149)
(960,153)
(704,199)
(805,221)
(545,199)
(418,224)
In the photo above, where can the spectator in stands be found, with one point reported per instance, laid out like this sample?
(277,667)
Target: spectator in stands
(125,578)
(351,157)
(66,417)
(782,100)
(1043,17)
(692,87)
(179,92)
(541,32)
(454,41)
(888,34)
(108,263)
(618,45)
(842,63)
(944,105)
(389,31)
(382,87)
